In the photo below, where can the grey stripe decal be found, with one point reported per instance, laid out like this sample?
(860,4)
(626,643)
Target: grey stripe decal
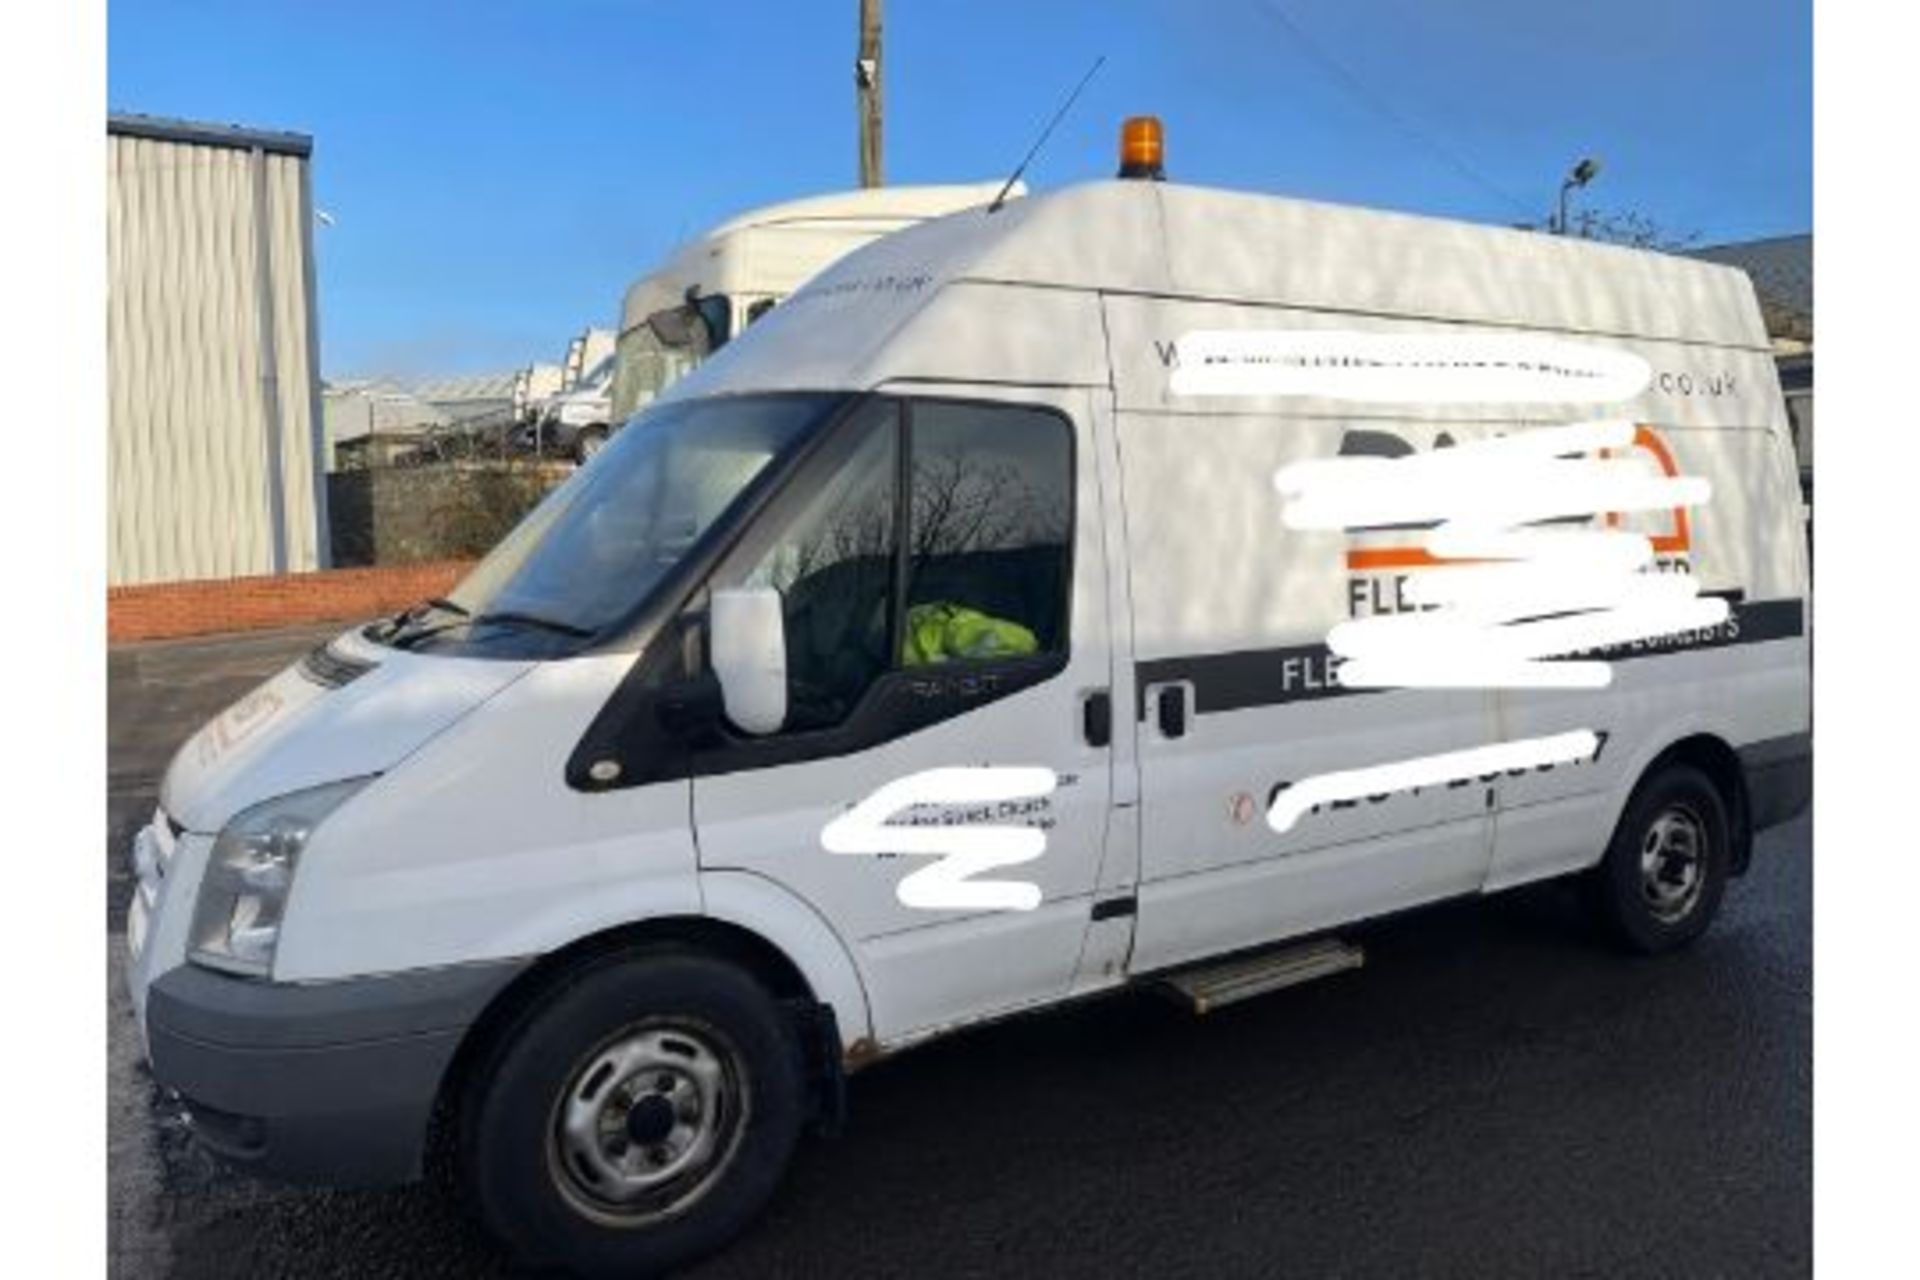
(1302,673)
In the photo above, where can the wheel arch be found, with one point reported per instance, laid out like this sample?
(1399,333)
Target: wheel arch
(747,920)
(1712,755)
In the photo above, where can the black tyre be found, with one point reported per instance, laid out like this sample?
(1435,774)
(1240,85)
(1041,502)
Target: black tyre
(1661,880)
(637,1117)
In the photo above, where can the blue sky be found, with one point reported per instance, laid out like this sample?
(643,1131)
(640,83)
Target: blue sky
(498,171)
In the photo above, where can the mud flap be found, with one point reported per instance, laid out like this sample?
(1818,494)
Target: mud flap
(817,1032)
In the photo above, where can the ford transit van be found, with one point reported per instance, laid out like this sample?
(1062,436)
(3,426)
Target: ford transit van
(571,870)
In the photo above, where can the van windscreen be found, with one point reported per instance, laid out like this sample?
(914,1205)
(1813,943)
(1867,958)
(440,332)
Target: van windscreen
(601,542)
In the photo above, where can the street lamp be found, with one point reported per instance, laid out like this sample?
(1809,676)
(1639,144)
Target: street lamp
(1582,174)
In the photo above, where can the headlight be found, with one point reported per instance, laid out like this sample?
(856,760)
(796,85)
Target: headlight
(236,919)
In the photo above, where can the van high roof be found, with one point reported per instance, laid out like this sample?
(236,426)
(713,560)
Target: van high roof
(1197,242)
(1014,295)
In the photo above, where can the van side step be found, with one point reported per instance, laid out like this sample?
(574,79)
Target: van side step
(1209,988)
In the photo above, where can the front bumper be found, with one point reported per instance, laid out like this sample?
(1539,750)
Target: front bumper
(330,1082)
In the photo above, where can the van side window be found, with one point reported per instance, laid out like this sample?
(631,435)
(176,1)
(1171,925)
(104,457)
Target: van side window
(988,533)
(834,568)
(986,514)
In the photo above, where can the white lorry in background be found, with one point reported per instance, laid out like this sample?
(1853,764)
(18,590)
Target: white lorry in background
(586,857)
(531,388)
(573,423)
(585,354)
(713,287)
(553,418)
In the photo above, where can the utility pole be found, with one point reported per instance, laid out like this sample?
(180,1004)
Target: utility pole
(866,78)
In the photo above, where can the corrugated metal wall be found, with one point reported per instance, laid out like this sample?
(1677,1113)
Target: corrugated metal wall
(200,374)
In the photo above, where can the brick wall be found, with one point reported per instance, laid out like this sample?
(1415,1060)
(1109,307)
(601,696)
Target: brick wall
(164,611)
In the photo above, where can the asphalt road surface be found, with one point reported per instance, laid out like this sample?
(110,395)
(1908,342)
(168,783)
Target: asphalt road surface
(1494,1094)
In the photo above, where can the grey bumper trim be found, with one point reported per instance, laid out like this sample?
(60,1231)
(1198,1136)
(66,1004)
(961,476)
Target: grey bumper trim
(1779,778)
(327,1082)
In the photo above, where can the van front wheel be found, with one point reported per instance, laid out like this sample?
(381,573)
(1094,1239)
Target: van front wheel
(636,1119)
(1662,877)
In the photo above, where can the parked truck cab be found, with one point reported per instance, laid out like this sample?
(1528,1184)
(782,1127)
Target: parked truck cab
(715,286)
(546,858)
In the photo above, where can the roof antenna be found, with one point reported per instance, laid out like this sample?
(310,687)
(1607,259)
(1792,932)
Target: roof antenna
(1045,133)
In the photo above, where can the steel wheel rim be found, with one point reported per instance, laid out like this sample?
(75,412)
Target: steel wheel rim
(647,1122)
(1673,863)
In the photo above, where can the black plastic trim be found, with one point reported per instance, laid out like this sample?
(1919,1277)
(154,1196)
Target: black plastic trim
(329,1082)
(1778,773)
(1096,717)
(1171,711)
(248,1013)
(895,705)
(330,669)
(634,747)
(627,732)
(818,1031)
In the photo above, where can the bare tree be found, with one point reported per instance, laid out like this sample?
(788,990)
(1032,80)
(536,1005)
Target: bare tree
(1635,230)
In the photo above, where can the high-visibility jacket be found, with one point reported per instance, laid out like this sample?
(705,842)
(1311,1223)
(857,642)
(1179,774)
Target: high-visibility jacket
(940,632)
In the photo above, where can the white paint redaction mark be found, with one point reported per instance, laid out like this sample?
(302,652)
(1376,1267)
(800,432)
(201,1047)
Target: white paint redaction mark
(1486,485)
(1510,607)
(1402,368)
(965,850)
(1430,771)
(1448,649)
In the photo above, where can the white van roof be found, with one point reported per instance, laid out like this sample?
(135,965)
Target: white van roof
(1236,246)
(912,305)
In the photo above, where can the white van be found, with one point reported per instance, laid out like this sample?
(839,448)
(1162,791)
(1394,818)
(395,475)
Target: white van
(545,859)
(573,423)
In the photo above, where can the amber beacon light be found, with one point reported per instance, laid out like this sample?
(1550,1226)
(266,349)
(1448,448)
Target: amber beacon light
(1143,148)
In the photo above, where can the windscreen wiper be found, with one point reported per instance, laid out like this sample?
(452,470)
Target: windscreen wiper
(506,617)
(533,620)
(413,613)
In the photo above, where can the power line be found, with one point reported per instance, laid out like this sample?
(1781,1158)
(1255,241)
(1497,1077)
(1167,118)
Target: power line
(1359,90)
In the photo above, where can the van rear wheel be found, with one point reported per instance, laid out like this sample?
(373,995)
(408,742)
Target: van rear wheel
(636,1119)
(1665,870)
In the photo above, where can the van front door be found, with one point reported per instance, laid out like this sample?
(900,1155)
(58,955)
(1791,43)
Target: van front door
(943,585)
